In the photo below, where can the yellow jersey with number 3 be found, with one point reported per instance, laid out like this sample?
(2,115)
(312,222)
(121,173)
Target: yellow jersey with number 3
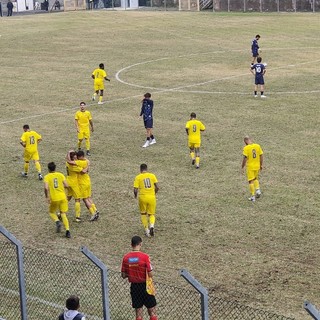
(144,182)
(194,130)
(253,152)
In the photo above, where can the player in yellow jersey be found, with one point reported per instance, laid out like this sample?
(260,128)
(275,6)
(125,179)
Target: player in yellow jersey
(55,184)
(73,172)
(98,75)
(146,185)
(253,160)
(83,122)
(194,128)
(85,186)
(29,140)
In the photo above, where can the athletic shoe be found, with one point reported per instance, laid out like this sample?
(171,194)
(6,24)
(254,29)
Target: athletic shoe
(147,233)
(152,231)
(193,161)
(153,141)
(58,227)
(68,234)
(252,198)
(256,96)
(197,167)
(78,219)
(40,176)
(258,193)
(263,96)
(88,153)
(100,102)
(95,217)
(23,174)
(146,144)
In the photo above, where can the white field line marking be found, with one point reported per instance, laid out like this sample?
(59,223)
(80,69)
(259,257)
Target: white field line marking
(36,299)
(195,84)
(163,90)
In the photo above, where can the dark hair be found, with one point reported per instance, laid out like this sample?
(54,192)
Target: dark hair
(258,36)
(73,303)
(80,154)
(72,154)
(135,241)
(26,126)
(52,166)
(259,59)
(101,66)
(147,95)
(193,115)
(143,167)
(82,103)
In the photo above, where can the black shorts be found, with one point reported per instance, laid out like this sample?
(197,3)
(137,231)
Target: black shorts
(140,297)
(148,124)
(259,79)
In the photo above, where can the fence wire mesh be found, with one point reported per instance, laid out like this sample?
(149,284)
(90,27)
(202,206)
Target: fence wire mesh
(51,279)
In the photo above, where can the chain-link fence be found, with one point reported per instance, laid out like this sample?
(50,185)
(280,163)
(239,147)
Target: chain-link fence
(50,279)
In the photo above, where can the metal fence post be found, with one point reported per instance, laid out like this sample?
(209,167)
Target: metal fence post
(22,284)
(202,290)
(104,280)
(312,310)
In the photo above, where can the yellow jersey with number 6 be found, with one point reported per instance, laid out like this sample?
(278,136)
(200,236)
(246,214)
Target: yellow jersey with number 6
(253,152)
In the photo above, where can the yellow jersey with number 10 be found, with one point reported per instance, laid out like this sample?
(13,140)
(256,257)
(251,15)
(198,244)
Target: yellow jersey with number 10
(144,182)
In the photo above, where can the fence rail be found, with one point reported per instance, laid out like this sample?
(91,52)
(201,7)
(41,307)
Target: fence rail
(50,279)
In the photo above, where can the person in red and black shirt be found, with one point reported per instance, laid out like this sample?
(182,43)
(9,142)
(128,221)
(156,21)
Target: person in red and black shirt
(135,266)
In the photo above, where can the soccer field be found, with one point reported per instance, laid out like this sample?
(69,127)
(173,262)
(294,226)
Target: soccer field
(263,254)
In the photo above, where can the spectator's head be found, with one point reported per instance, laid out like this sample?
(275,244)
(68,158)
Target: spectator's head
(52,167)
(101,66)
(136,241)
(259,59)
(73,303)
(193,115)
(143,167)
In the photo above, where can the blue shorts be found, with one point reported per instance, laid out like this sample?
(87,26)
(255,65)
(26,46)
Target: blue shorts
(148,124)
(255,54)
(259,79)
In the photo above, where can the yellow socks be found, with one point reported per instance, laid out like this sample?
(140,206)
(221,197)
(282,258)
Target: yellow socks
(88,144)
(79,144)
(144,220)
(252,189)
(91,210)
(54,217)
(77,209)
(26,167)
(152,220)
(197,161)
(192,155)
(94,207)
(256,184)
(100,98)
(65,221)
(38,166)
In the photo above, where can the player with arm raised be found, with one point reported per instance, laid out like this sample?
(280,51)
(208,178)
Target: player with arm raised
(194,128)
(98,75)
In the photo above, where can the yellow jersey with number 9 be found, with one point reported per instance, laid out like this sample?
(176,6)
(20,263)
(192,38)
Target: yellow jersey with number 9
(194,130)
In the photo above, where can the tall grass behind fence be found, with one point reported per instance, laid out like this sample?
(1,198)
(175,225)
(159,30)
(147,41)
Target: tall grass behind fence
(51,279)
